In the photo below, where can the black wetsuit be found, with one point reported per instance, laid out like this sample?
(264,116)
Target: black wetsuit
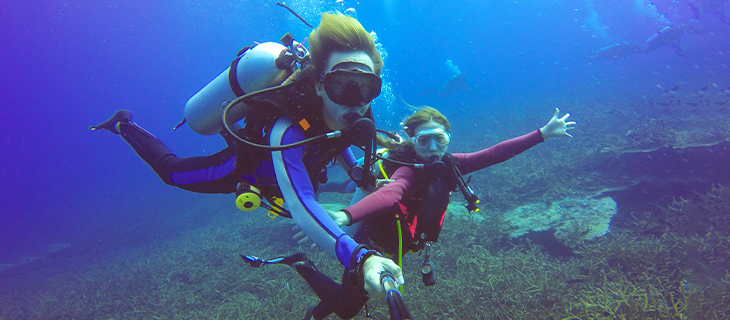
(345,299)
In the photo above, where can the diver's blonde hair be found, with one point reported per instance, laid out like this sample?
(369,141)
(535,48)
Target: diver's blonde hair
(340,33)
(423,115)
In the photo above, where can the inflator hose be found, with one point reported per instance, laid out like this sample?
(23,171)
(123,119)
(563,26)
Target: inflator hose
(240,99)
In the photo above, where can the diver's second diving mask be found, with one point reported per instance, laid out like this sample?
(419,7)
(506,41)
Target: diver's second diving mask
(352,88)
(424,137)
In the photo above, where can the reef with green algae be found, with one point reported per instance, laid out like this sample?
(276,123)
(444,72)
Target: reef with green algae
(628,274)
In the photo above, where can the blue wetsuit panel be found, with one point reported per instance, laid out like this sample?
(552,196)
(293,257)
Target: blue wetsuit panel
(204,174)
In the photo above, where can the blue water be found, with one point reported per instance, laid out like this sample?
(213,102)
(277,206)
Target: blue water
(65,65)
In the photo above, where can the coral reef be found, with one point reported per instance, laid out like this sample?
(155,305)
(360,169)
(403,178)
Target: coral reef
(636,271)
(574,220)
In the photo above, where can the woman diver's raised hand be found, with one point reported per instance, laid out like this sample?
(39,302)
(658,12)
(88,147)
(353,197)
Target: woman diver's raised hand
(557,127)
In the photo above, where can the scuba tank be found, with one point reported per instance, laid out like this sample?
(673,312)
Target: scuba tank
(255,68)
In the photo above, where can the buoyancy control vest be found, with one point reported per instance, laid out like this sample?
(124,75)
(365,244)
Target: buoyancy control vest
(296,101)
(422,209)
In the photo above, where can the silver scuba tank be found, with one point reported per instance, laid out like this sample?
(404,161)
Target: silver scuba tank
(255,69)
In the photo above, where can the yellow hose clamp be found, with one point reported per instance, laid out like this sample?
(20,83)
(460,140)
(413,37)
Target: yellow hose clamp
(278,203)
(248,197)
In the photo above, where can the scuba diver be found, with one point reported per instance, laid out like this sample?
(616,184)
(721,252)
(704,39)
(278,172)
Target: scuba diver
(616,52)
(670,37)
(457,81)
(406,215)
(453,85)
(293,129)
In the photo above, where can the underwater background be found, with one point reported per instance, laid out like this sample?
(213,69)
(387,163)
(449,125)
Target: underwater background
(630,219)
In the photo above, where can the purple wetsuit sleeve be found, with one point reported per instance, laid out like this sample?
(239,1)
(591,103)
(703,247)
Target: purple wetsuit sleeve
(470,162)
(385,198)
(293,180)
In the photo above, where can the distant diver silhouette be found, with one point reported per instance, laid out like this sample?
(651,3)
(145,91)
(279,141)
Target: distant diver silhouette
(669,36)
(616,52)
(709,7)
(457,81)
(454,84)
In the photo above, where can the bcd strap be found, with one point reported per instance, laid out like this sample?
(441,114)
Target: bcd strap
(284,60)
(287,101)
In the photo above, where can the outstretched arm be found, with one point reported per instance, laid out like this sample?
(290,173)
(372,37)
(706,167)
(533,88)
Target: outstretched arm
(556,127)
(382,199)
(375,203)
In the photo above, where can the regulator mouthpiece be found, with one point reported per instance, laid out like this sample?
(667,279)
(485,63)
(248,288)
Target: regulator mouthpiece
(361,130)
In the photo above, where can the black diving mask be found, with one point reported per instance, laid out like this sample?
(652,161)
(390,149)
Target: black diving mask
(353,87)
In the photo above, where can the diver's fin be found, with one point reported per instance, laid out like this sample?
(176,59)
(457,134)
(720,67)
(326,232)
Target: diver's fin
(299,258)
(695,11)
(309,315)
(252,261)
(111,124)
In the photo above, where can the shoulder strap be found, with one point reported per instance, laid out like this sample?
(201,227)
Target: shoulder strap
(298,102)
(232,72)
